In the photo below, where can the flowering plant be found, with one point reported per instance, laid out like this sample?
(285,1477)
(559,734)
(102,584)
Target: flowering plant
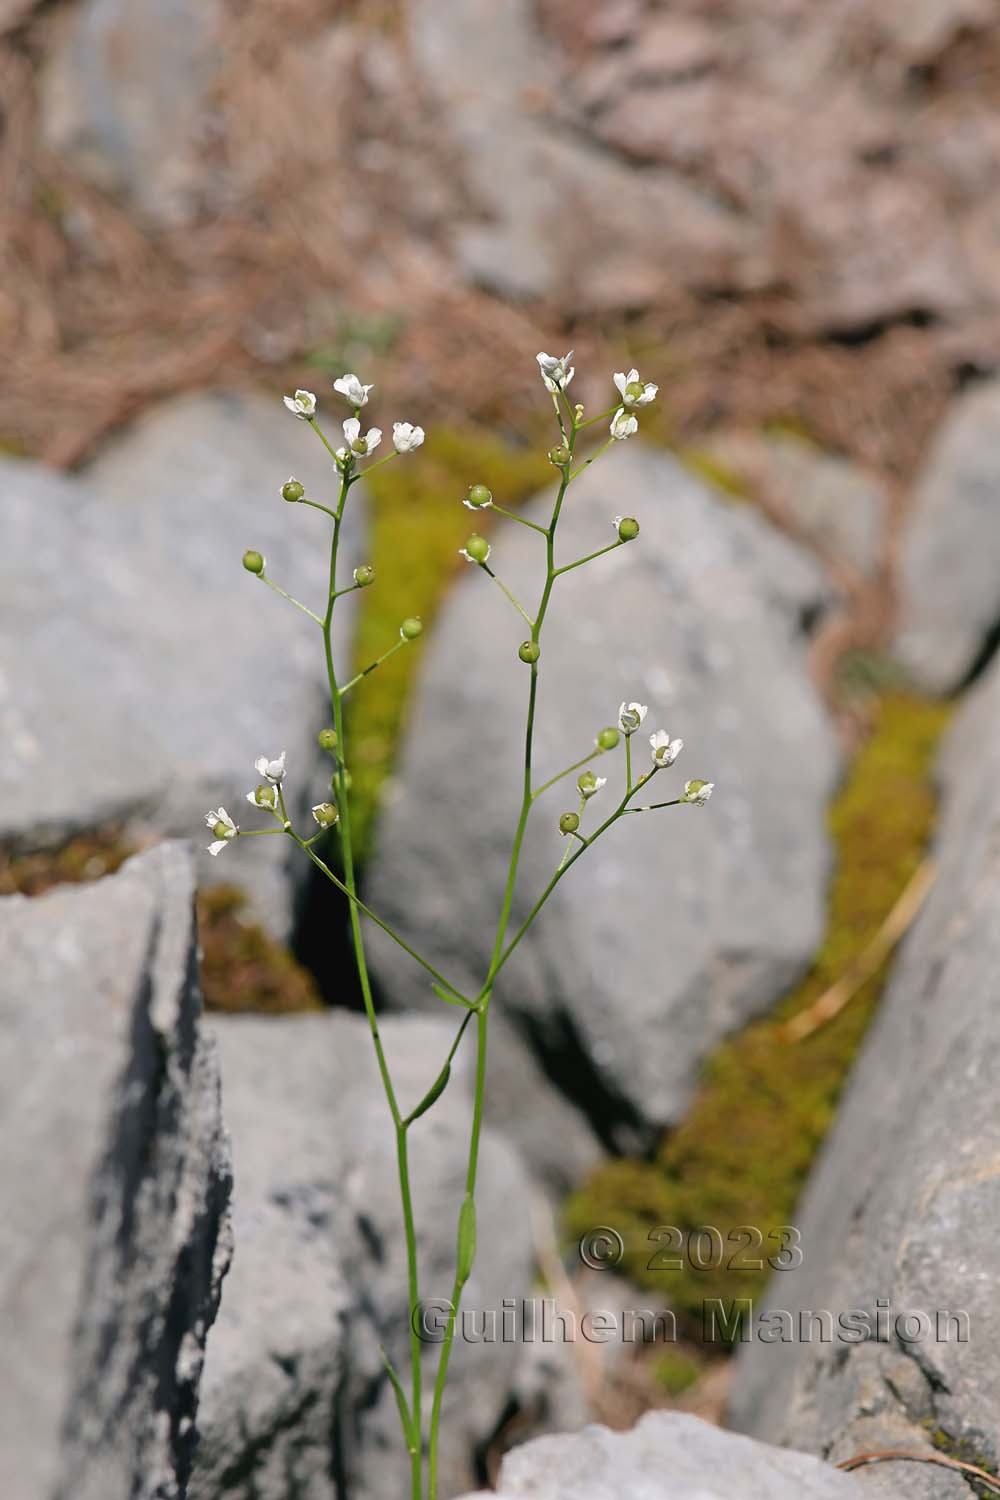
(351,460)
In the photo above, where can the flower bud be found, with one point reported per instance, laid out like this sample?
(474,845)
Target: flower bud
(559,456)
(628,528)
(569,822)
(253,562)
(477,548)
(411,627)
(589,785)
(292,490)
(327,740)
(478,497)
(607,739)
(529,651)
(364,575)
(325,814)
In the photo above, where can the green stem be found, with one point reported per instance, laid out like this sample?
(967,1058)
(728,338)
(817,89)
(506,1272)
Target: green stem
(397,646)
(568,567)
(576,766)
(516,603)
(297,602)
(521,520)
(628,763)
(588,461)
(350,883)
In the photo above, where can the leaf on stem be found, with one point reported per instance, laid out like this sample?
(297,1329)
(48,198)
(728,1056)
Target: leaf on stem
(434,1093)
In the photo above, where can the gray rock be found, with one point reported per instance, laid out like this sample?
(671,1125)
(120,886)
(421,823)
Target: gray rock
(950,561)
(666,1456)
(834,505)
(125,98)
(682,923)
(115,1171)
(534,182)
(319,1278)
(902,1204)
(142,669)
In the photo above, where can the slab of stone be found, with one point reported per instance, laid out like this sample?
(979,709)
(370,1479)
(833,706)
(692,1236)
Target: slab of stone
(142,669)
(666,1456)
(897,1223)
(949,570)
(295,1394)
(126,99)
(683,923)
(114,1165)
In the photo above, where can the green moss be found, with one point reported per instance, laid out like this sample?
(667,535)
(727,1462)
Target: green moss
(741,1155)
(417,527)
(242,967)
(675,1370)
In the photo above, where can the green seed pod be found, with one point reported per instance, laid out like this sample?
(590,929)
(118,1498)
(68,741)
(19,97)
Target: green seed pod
(628,529)
(608,739)
(265,796)
(466,1253)
(478,496)
(221,830)
(292,490)
(559,456)
(325,814)
(253,562)
(327,740)
(529,651)
(411,627)
(364,575)
(478,548)
(569,822)
(587,783)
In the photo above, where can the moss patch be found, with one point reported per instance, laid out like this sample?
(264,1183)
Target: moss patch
(243,969)
(742,1154)
(417,526)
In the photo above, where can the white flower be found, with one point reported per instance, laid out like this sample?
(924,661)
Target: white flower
(590,785)
(623,425)
(630,717)
(350,387)
(222,826)
(303,404)
(633,391)
(263,796)
(406,437)
(698,792)
(273,770)
(556,373)
(665,750)
(358,444)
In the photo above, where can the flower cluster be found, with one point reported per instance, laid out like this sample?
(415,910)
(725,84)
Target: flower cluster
(633,392)
(406,436)
(267,796)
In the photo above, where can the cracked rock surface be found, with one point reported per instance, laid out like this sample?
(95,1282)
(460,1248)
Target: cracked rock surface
(699,917)
(296,1401)
(904,1203)
(114,1235)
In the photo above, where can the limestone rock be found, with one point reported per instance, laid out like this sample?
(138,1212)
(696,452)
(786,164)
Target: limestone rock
(295,1394)
(896,1221)
(666,1456)
(115,1171)
(142,669)
(950,560)
(682,923)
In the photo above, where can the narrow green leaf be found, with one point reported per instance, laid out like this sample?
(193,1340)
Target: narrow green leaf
(449,996)
(401,1402)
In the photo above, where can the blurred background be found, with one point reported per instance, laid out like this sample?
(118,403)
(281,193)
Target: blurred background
(784,212)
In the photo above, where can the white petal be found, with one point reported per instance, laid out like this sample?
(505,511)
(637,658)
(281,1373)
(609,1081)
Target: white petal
(218,846)
(373,438)
(352,429)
